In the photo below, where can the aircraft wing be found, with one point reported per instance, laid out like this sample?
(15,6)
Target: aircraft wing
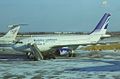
(75,46)
(69,46)
(72,46)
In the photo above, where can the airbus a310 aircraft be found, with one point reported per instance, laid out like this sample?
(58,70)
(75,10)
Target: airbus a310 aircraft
(39,47)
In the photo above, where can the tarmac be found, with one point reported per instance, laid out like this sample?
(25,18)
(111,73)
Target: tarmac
(71,68)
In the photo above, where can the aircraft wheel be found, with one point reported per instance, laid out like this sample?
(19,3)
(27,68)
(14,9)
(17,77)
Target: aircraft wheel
(31,56)
(49,56)
(52,56)
(71,54)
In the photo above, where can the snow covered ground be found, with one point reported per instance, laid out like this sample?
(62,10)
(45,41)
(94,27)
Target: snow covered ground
(72,68)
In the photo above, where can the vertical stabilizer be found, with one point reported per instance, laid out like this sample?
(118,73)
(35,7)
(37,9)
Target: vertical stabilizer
(12,33)
(101,27)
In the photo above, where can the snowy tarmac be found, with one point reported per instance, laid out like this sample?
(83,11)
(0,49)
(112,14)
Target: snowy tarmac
(72,68)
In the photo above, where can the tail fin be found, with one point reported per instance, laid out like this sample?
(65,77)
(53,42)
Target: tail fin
(101,27)
(12,33)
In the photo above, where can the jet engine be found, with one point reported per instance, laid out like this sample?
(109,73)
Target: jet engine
(63,51)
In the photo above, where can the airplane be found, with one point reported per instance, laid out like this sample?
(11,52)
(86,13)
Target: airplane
(45,47)
(8,40)
(10,36)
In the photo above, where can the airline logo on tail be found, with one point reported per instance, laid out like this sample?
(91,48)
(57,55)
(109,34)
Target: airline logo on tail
(12,33)
(102,25)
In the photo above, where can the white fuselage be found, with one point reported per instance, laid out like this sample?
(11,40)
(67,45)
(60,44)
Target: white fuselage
(45,43)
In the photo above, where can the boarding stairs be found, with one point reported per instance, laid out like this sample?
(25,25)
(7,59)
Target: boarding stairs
(35,51)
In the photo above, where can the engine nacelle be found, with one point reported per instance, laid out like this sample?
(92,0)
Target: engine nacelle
(64,50)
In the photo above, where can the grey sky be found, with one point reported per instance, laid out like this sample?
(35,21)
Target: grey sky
(58,15)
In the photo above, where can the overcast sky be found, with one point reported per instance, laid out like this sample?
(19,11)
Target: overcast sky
(58,15)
